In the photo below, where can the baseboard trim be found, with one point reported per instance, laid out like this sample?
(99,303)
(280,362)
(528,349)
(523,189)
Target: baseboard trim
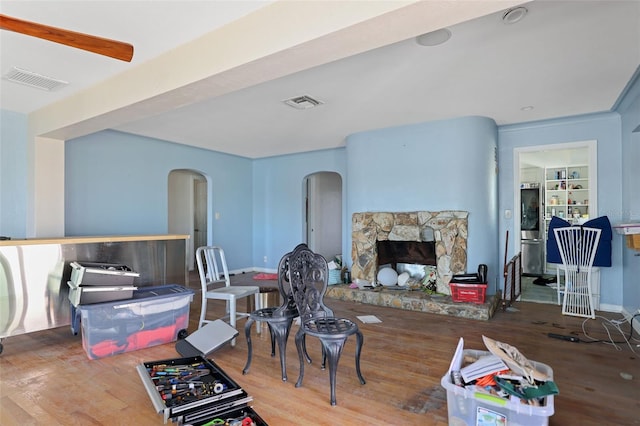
(607,307)
(247,270)
(636,323)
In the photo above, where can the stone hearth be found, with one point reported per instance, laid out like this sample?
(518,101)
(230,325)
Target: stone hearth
(447,228)
(416,301)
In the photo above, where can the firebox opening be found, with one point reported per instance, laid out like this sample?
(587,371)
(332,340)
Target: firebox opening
(407,256)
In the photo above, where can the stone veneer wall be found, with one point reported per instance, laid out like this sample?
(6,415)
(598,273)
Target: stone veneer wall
(449,229)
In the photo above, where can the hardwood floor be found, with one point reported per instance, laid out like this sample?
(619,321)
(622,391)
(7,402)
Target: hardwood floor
(46,377)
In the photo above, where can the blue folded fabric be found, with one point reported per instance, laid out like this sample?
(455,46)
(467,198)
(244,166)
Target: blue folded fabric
(603,253)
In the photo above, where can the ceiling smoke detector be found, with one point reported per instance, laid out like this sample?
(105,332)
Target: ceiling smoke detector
(514,15)
(434,38)
(303,102)
(32,79)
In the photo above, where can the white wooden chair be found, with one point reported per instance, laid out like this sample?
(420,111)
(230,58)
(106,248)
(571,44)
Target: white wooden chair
(212,267)
(577,246)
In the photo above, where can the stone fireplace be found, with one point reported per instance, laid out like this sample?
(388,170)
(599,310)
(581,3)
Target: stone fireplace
(447,229)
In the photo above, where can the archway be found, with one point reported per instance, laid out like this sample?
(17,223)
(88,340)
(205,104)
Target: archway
(323,213)
(187,209)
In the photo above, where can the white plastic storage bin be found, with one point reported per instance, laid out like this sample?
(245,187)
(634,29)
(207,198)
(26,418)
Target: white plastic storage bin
(470,408)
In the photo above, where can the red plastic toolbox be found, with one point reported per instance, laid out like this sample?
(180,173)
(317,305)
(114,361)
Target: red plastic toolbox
(470,293)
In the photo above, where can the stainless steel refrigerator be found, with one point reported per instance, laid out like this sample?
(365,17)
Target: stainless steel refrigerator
(532,229)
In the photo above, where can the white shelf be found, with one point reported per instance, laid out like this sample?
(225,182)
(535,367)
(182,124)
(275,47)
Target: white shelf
(560,187)
(627,228)
(566,192)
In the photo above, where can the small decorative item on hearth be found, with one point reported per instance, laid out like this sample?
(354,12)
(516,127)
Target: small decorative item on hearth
(429,281)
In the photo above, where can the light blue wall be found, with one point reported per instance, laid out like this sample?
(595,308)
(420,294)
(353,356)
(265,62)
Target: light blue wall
(629,110)
(605,128)
(116,183)
(443,165)
(13,174)
(278,202)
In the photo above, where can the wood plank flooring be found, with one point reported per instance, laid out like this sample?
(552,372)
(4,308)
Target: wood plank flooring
(46,377)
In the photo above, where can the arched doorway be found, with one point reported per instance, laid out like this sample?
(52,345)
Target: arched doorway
(187,209)
(323,213)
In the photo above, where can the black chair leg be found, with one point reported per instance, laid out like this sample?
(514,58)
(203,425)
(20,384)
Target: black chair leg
(280,332)
(359,342)
(332,348)
(324,359)
(247,333)
(304,347)
(273,340)
(302,350)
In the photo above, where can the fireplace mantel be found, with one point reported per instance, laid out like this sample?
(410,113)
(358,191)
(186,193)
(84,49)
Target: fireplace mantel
(448,228)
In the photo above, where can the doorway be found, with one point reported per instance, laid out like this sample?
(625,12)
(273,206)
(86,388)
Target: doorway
(536,166)
(323,213)
(187,209)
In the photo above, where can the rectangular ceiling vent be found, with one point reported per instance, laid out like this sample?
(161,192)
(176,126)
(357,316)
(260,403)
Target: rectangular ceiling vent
(303,102)
(32,79)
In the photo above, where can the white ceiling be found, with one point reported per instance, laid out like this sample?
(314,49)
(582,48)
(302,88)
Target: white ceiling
(564,58)
(554,158)
(153,27)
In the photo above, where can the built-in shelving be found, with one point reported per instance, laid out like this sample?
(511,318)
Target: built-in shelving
(567,193)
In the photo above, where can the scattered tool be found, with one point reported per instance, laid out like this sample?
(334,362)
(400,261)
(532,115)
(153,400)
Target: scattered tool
(564,337)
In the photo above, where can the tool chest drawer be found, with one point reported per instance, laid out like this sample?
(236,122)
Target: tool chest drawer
(195,391)
(245,416)
(88,294)
(94,273)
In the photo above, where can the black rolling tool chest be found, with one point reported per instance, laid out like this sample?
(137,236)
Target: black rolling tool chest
(194,390)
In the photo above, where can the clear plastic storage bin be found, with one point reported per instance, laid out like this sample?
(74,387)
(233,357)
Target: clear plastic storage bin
(466,407)
(153,316)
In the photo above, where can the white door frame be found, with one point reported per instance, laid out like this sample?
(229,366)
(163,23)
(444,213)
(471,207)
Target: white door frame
(181,207)
(591,145)
(323,213)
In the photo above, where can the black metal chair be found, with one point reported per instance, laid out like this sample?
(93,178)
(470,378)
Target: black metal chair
(308,278)
(278,319)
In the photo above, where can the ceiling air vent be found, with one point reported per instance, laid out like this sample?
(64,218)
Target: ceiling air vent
(303,102)
(32,79)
